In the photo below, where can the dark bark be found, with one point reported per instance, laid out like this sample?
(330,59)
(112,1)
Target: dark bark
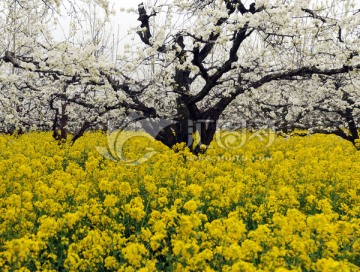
(184,133)
(86,125)
(59,122)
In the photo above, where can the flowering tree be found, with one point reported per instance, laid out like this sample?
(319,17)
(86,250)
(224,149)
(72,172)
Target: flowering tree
(52,66)
(293,107)
(212,52)
(194,59)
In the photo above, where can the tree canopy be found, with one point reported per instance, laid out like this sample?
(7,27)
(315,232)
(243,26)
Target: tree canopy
(191,62)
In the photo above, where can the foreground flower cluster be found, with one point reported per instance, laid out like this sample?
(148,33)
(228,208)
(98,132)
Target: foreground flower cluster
(292,206)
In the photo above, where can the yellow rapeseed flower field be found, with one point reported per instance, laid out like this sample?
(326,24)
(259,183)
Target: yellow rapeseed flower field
(290,206)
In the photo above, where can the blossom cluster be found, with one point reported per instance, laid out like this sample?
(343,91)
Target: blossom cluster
(291,206)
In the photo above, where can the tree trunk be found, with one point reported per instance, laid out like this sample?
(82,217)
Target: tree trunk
(60,123)
(354,134)
(196,134)
(189,127)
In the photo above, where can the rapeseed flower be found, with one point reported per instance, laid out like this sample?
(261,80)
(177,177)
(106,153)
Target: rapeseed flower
(291,206)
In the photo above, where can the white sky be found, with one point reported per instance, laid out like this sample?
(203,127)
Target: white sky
(121,22)
(124,20)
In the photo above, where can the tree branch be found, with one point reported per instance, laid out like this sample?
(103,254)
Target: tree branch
(220,106)
(211,81)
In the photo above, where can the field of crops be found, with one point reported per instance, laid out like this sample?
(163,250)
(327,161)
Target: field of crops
(291,206)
